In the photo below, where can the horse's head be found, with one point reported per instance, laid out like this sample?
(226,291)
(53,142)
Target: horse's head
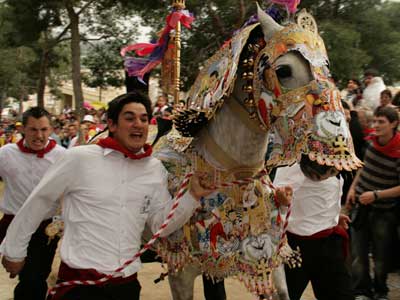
(280,78)
(296,99)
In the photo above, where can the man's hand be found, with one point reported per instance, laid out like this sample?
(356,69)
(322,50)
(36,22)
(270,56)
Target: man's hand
(14,268)
(367,198)
(284,195)
(199,187)
(344,221)
(350,199)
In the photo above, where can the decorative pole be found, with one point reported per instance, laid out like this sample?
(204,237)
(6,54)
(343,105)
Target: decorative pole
(177,5)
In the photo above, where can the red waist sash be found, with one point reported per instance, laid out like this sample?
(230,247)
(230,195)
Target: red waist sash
(67,273)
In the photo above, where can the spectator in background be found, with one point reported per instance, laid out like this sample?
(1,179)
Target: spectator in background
(365,117)
(374,85)
(396,100)
(90,121)
(18,131)
(55,135)
(353,92)
(65,138)
(386,99)
(373,199)
(82,138)
(161,105)
(180,106)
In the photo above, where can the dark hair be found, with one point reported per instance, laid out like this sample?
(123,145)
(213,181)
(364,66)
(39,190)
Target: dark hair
(388,112)
(35,112)
(345,105)
(169,109)
(371,72)
(310,168)
(116,105)
(356,81)
(387,92)
(396,99)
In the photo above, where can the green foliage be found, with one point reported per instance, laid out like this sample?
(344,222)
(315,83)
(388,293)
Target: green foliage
(360,35)
(340,41)
(15,68)
(104,66)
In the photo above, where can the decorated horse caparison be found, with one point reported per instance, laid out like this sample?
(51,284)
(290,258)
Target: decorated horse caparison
(268,79)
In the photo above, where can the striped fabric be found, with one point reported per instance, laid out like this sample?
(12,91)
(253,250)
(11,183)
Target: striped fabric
(379,173)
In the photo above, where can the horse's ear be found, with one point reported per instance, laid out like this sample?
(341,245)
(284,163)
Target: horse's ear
(268,25)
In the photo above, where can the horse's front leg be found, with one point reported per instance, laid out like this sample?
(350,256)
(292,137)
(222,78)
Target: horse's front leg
(182,283)
(279,280)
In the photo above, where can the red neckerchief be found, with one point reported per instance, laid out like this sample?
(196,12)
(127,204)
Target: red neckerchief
(111,143)
(391,149)
(39,153)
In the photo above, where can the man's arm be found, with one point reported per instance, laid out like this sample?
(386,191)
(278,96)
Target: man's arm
(371,196)
(187,205)
(351,193)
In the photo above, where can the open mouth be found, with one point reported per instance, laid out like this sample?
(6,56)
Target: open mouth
(136,135)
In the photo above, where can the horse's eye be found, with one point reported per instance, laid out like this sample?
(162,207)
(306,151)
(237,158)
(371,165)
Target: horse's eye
(283,72)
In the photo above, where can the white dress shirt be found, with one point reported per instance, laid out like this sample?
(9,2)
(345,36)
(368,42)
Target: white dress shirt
(108,199)
(21,173)
(315,204)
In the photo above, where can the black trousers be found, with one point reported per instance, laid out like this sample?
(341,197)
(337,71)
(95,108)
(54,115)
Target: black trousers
(324,264)
(213,290)
(32,283)
(124,291)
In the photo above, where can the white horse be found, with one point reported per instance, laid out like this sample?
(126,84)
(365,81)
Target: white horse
(268,79)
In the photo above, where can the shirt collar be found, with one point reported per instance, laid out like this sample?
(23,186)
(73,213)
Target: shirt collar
(109,150)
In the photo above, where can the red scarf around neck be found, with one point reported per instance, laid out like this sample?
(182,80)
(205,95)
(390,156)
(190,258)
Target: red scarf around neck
(391,149)
(39,153)
(111,143)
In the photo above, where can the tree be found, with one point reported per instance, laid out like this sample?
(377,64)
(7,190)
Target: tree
(359,35)
(49,23)
(15,68)
(104,67)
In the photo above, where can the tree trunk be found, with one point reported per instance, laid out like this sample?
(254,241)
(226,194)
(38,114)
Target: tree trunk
(76,59)
(42,77)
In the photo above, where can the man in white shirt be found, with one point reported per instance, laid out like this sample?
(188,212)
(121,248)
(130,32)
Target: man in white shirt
(22,165)
(318,230)
(111,190)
